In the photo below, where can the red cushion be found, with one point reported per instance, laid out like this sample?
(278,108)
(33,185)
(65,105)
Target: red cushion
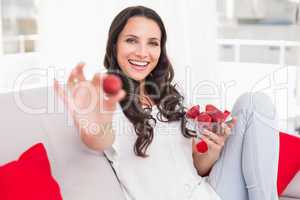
(29,177)
(289,162)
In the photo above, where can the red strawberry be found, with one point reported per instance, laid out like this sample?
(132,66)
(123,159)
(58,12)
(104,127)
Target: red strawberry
(215,113)
(204,120)
(202,147)
(218,117)
(203,117)
(112,84)
(193,112)
(226,114)
(209,108)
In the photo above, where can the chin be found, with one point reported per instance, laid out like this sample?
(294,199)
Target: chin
(138,78)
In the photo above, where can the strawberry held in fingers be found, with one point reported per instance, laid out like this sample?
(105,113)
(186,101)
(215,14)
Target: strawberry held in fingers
(202,147)
(112,84)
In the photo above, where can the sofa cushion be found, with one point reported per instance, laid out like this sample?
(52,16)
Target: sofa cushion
(29,177)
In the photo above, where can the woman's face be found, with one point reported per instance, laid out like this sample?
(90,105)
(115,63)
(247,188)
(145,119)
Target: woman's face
(138,47)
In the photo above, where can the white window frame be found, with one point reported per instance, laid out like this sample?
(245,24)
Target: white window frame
(20,38)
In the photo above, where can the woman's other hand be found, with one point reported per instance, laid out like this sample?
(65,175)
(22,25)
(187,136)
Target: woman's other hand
(203,162)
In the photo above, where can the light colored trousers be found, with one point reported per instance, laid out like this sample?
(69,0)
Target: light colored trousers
(247,168)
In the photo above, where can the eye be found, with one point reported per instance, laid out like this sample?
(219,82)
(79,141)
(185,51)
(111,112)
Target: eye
(154,43)
(131,40)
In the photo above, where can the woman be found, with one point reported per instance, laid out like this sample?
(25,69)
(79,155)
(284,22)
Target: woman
(142,129)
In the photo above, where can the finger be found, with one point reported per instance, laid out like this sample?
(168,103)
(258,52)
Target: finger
(59,91)
(118,97)
(97,79)
(213,137)
(79,69)
(194,150)
(80,65)
(96,82)
(76,75)
(226,130)
(208,141)
(113,99)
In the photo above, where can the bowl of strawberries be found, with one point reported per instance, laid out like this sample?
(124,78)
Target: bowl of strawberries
(210,118)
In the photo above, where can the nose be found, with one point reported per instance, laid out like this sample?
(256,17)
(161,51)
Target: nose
(141,51)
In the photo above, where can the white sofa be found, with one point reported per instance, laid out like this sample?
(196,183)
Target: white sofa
(81,173)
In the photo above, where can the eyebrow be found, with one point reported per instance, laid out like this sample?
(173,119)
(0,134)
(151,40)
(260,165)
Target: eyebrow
(130,35)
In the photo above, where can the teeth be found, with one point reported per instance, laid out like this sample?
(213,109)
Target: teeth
(138,63)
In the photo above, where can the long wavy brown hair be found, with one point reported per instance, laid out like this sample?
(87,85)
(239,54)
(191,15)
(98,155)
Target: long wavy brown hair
(158,84)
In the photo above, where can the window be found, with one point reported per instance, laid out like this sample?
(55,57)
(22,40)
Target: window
(19,27)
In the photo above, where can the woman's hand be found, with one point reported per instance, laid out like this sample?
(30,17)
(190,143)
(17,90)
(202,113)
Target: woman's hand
(91,109)
(203,162)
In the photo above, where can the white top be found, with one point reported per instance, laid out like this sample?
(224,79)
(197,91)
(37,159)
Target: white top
(168,171)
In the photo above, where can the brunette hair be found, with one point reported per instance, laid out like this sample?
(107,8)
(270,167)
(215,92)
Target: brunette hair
(157,85)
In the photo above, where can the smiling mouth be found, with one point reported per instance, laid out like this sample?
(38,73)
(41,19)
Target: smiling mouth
(139,64)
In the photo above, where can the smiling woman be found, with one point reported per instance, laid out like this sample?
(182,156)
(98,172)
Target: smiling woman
(147,129)
(142,129)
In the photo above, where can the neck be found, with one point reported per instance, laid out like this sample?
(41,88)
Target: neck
(142,88)
(144,98)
